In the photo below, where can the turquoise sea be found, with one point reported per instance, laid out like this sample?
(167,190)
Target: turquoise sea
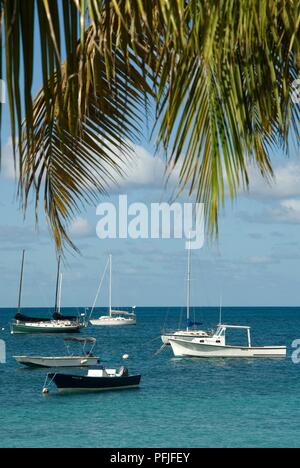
(181,402)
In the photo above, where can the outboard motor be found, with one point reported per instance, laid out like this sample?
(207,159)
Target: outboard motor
(123,372)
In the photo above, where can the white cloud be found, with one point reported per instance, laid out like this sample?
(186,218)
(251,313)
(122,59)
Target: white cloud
(260,260)
(80,227)
(286,183)
(282,194)
(285,212)
(288,211)
(145,170)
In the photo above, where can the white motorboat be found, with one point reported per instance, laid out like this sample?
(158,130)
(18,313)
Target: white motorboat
(188,331)
(85,359)
(114,317)
(214,346)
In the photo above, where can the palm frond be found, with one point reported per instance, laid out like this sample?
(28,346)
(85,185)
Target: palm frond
(221,72)
(73,162)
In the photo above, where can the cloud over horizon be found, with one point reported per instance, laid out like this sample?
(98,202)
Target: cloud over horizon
(286,183)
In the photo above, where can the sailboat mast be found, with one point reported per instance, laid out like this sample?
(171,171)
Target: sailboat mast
(188,287)
(57,286)
(110,284)
(60,289)
(21,282)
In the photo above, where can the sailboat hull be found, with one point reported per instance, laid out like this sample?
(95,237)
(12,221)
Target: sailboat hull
(47,327)
(106,321)
(183,348)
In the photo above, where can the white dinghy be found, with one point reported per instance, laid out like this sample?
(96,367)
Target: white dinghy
(214,346)
(85,359)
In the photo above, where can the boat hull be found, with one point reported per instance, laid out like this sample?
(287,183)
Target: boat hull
(64,361)
(32,328)
(112,322)
(182,348)
(76,383)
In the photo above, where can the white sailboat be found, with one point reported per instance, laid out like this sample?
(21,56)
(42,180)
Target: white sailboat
(187,332)
(214,346)
(114,317)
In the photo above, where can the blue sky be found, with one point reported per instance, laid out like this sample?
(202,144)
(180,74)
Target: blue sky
(256,260)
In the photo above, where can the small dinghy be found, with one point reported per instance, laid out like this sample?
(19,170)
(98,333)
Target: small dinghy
(84,359)
(97,379)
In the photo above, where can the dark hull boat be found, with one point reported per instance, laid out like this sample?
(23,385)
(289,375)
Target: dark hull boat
(22,324)
(45,327)
(95,381)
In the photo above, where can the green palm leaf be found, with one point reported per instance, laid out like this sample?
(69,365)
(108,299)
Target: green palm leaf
(220,72)
(72,162)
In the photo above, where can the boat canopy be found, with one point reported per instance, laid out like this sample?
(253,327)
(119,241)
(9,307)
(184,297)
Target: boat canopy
(240,327)
(81,340)
(25,318)
(57,316)
(222,328)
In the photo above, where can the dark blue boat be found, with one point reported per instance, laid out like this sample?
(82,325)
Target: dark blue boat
(96,380)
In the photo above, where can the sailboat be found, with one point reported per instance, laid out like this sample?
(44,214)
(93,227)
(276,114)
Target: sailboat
(188,331)
(114,317)
(57,324)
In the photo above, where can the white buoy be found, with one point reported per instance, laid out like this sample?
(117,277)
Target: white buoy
(45,391)
(125,356)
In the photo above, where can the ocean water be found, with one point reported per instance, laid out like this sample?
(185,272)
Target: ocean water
(180,403)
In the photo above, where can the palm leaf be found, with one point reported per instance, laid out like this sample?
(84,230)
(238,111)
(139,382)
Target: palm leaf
(222,72)
(72,163)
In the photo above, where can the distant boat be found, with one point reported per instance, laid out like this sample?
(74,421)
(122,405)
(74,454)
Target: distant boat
(214,346)
(43,327)
(114,317)
(71,360)
(23,324)
(96,380)
(188,331)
